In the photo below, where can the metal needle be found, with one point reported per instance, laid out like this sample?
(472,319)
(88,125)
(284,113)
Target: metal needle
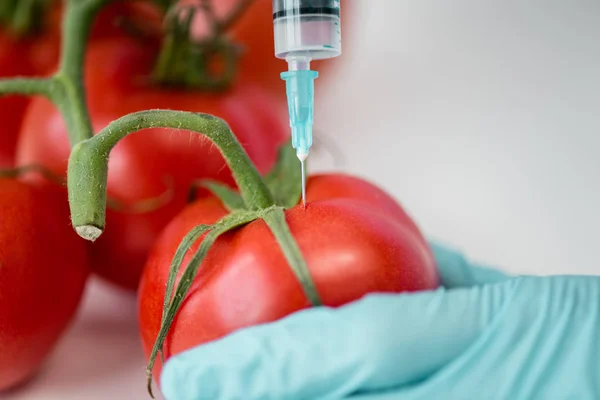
(303,183)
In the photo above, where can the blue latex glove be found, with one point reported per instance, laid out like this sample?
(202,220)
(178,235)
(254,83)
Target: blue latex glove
(484,336)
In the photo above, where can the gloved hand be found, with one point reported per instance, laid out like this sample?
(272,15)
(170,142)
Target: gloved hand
(484,336)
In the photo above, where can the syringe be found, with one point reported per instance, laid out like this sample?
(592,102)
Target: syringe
(305,30)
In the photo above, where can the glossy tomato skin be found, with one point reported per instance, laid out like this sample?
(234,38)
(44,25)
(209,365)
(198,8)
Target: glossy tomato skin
(43,270)
(153,163)
(327,186)
(353,245)
(14,60)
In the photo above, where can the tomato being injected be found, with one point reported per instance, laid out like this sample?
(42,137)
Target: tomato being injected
(355,239)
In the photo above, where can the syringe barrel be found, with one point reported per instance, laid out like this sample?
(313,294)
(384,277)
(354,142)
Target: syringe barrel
(307,29)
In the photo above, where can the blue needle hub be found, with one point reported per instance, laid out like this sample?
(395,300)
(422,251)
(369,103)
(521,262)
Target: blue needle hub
(300,96)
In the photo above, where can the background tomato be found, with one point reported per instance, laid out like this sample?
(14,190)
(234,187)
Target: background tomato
(115,19)
(254,32)
(146,165)
(43,270)
(14,60)
(355,240)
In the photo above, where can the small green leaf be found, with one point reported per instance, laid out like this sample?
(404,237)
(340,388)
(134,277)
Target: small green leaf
(185,245)
(229,197)
(285,179)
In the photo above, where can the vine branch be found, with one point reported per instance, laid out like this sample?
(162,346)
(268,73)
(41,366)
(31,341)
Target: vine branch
(27,86)
(88,163)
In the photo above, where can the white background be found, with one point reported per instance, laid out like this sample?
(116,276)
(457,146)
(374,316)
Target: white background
(481,117)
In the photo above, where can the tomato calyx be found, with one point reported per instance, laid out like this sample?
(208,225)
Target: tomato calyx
(282,181)
(173,302)
(182,62)
(23,18)
(209,64)
(229,197)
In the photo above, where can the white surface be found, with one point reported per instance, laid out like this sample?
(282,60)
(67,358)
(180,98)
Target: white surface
(482,117)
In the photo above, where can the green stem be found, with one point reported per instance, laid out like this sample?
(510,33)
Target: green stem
(275,219)
(76,26)
(64,92)
(66,89)
(88,163)
(77,23)
(28,86)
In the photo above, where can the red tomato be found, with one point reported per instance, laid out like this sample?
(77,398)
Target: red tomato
(144,165)
(14,60)
(43,270)
(114,20)
(355,239)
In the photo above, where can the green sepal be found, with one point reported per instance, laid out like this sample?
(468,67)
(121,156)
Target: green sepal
(185,245)
(275,219)
(183,62)
(284,179)
(231,199)
(226,224)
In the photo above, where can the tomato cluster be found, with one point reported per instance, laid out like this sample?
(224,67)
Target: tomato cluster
(354,237)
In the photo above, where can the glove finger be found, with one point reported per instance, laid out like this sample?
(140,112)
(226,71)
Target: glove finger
(456,271)
(379,342)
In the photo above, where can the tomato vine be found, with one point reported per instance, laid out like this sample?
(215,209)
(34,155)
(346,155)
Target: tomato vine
(88,162)
(65,88)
